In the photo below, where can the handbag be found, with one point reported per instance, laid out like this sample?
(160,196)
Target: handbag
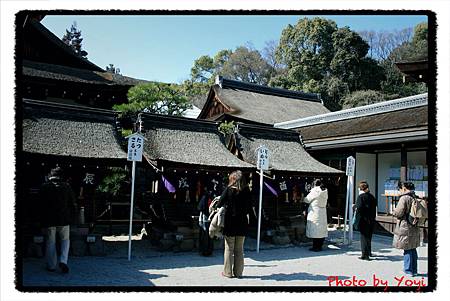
(355,220)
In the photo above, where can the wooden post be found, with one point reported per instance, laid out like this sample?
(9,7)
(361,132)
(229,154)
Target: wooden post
(404,164)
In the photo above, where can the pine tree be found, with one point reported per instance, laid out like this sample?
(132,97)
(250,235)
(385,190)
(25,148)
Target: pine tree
(73,39)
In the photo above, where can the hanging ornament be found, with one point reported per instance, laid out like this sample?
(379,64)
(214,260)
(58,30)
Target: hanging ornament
(283,186)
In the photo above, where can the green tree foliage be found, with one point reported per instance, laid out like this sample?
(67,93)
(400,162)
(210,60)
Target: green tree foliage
(203,69)
(322,58)
(114,181)
(227,128)
(306,49)
(73,38)
(247,65)
(157,98)
(244,64)
(414,50)
(362,98)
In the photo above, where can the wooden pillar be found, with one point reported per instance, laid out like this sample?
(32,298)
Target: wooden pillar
(403,163)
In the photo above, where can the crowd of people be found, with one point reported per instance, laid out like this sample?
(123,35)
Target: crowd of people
(59,203)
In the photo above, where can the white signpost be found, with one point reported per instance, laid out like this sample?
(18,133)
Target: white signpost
(135,147)
(350,172)
(262,164)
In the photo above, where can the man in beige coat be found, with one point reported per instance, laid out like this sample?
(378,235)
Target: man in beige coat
(406,235)
(316,225)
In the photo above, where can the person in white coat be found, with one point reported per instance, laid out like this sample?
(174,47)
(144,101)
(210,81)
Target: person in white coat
(316,225)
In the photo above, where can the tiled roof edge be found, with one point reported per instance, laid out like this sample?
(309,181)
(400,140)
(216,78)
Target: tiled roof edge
(373,109)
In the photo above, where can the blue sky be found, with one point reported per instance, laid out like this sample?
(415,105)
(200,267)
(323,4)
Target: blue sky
(163,48)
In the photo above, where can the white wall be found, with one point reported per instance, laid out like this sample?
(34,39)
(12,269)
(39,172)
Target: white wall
(365,170)
(385,161)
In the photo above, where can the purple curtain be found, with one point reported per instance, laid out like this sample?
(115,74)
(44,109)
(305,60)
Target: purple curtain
(271,189)
(168,185)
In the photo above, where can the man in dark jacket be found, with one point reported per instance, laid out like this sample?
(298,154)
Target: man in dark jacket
(57,203)
(366,206)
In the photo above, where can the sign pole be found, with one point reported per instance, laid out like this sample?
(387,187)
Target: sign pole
(131,209)
(135,148)
(350,209)
(259,208)
(346,212)
(350,172)
(262,163)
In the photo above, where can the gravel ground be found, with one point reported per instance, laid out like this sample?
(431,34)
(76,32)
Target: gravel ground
(273,266)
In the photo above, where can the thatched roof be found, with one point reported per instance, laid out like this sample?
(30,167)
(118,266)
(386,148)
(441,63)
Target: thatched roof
(186,141)
(388,121)
(399,115)
(286,151)
(262,104)
(65,130)
(70,74)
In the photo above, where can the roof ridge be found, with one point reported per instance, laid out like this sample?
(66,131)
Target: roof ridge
(372,109)
(80,109)
(229,83)
(178,121)
(30,63)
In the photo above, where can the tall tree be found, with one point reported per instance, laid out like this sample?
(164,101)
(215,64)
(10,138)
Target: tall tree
(414,50)
(322,58)
(247,65)
(382,43)
(244,63)
(73,38)
(307,49)
(203,69)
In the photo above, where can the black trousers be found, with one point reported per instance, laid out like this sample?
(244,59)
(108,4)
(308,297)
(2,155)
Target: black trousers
(366,244)
(317,243)
(206,244)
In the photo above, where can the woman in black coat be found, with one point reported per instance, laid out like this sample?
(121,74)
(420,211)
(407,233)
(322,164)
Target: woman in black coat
(237,200)
(366,208)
